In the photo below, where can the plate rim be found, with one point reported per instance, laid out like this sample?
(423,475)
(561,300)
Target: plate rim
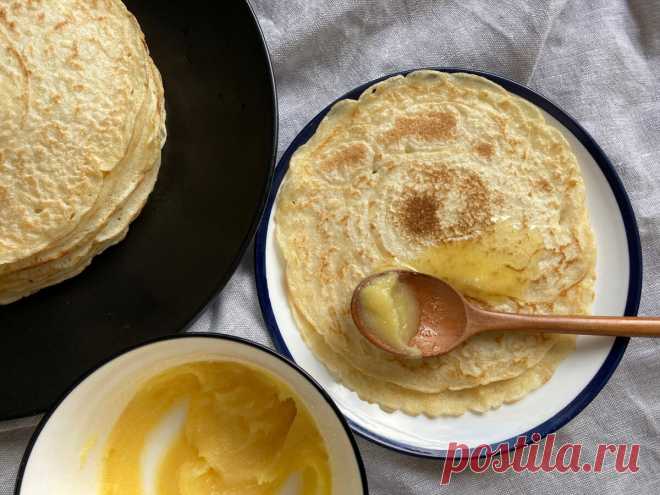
(192,335)
(602,376)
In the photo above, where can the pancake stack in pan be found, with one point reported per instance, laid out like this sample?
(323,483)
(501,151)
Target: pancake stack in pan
(82,124)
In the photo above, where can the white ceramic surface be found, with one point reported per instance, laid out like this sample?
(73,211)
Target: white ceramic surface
(67,455)
(511,420)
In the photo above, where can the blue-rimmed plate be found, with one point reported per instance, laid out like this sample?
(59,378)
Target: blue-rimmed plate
(577,380)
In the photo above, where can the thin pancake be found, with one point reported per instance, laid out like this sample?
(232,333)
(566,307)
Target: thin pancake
(426,164)
(25,282)
(79,73)
(118,184)
(134,117)
(391,397)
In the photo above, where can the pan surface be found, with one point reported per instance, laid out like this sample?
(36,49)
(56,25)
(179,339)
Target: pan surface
(216,169)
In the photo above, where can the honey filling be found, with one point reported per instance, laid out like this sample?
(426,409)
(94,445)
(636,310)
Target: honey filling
(242,432)
(390,310)
(499,264)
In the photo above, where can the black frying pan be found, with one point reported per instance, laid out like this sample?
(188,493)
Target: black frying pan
(216,168)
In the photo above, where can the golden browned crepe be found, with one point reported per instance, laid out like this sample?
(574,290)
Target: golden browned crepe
(82,124)
(453,176)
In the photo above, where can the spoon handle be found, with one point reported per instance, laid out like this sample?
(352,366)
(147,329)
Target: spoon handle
(480,321)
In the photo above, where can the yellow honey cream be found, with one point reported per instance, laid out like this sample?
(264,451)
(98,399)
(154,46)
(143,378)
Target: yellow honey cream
(244,433)
(501,263)
(391,312)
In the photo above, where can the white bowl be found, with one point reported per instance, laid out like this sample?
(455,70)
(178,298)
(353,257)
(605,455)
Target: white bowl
(66,450)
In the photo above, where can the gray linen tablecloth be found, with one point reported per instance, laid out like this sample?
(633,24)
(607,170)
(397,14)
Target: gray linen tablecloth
(599,60)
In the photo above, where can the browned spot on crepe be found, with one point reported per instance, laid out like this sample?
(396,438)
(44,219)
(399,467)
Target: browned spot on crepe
(485,150)
(351,155)
(416,214)
(432,126)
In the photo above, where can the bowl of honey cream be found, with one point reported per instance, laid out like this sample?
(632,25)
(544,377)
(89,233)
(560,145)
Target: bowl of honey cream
(194,414)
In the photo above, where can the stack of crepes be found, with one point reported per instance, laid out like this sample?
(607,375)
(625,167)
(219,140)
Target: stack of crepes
(451,175)
(82,124)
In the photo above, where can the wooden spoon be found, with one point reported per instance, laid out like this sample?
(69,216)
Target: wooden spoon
(446,318)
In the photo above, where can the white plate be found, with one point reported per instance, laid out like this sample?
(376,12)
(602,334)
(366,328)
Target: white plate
(65,454)
(579,377)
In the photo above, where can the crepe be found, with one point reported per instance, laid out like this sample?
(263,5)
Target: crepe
(83,124)
(451,169)
(480,399)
